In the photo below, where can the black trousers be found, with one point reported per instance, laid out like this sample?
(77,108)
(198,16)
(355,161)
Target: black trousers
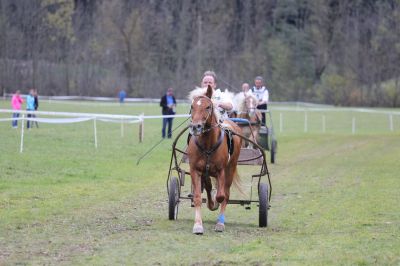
(262,107)
(28,122)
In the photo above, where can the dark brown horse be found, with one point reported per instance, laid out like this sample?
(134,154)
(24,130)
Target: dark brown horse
(209,157)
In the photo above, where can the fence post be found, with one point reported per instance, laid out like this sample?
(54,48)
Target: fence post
(280,122)
(22,134)
(323,124)
(122,127)
(353,125)
(391,122)
(95,132)
(305,122)
(141,128)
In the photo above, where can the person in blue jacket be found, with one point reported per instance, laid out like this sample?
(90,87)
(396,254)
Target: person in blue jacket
(168,104)
(30,106)
(122,95)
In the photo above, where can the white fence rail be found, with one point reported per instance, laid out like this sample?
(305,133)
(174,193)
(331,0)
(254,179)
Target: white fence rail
(307,109)
(325,111)
(81,117)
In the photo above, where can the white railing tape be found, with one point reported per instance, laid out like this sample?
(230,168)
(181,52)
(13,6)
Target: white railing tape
(59,120)
(125,121)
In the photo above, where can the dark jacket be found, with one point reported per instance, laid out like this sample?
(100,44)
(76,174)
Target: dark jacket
(36,102)
(165,109)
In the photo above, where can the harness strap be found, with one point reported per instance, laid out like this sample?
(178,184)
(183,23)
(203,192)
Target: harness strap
(214,147)
(210,151)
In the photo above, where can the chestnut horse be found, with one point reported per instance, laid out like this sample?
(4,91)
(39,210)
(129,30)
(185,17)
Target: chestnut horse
(209,157)
(246,105)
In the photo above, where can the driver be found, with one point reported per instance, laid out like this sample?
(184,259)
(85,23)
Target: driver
(222,100)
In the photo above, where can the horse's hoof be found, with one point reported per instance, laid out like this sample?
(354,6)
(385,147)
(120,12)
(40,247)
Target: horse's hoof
(219,227)
(214,199)
(198,229)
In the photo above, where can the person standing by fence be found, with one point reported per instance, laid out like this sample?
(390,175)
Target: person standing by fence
(36,104)
(168,104)
(30,106)
(16,102)
(262,95)
(121,95)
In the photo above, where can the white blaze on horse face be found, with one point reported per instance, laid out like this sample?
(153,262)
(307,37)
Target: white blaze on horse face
(198,102)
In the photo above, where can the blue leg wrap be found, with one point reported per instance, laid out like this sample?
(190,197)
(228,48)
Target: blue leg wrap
(221,218)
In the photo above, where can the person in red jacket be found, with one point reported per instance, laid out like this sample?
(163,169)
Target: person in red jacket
(16,102)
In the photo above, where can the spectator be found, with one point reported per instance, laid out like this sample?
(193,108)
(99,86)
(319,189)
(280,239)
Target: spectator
(262,95)
(30,106)
(168,104)
(16,102)
(122,95)
(36,105)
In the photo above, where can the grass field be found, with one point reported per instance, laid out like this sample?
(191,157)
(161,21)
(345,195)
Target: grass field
(335,196)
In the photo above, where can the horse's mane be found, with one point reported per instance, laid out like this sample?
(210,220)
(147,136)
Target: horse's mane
(196,92)
(202,91)
(239,100)
(229,94)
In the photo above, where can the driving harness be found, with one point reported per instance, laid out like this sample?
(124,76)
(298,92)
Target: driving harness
(224,131)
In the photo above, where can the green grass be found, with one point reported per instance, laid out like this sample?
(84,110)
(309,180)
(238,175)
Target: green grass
(335,196)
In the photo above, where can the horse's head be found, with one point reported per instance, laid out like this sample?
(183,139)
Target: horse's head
(251,104)
(202,113)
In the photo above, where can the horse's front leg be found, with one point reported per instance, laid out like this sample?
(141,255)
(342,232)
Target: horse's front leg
(196,183)
(220,226)
(253,138)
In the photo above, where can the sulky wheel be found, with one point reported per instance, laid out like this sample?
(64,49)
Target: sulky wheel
(263,205)
(173,198)
(274,145)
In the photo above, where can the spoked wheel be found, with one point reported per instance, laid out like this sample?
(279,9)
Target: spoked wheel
(274,145)
(173,199)
(263,205)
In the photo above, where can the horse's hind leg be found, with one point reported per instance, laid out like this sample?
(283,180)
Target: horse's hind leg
(212,203)
(221,185)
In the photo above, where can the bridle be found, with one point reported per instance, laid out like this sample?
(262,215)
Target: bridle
(200,128)
(249,111)
(252,110)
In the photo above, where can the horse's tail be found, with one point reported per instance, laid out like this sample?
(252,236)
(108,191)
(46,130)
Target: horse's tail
(237,182)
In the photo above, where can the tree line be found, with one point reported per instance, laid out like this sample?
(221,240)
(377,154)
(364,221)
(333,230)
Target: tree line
(338,52)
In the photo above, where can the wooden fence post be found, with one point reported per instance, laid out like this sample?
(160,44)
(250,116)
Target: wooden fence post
(95,132)
(391,122)
(22,134)
(122,127)
(141,128)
